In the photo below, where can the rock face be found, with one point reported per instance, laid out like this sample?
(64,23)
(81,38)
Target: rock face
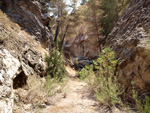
(81,49)
(82,44)
(14,72)
(130,40)
(31,15)
(20,57)
(81,52)
(9,68)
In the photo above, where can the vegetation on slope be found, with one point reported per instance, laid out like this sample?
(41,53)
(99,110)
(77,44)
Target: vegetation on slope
(100,16)
(102,76)
(5,27)
(106,86)
(55,64)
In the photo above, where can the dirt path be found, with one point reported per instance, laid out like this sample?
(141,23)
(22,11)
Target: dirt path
(77,98)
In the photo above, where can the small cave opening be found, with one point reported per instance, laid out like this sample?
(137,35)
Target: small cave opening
(20,80)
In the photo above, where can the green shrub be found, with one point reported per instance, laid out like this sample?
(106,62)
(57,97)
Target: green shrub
(106,63)
(108,90)
(105,83)
(107,87)
(85,72)
(55,64)
(142,105)
(146,102)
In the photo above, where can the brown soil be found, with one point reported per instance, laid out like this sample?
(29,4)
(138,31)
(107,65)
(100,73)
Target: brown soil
(77,98)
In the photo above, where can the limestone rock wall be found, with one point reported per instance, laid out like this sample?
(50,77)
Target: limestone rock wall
(130,39)
(9,68)
(82,44)
(20,57)
(25,65)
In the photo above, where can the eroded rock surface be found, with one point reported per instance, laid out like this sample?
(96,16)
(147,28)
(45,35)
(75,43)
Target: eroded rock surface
(130,40)
(14,73)
(82,44)
(81,48)
(31,15)
(20,57)
(9,68)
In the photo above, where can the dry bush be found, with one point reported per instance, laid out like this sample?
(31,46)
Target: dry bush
(7,27)
(3,35)
(36,91)
(4,21)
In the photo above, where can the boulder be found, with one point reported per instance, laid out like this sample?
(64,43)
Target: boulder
(81,62)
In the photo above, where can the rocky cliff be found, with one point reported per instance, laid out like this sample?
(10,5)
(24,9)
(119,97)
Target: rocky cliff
(32,16)
(21,56)
(130,39)
(81,47)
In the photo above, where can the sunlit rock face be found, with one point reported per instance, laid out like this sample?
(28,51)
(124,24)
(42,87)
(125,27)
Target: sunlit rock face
(82,44)
(9,68)
(81,48)
(130,39)
(14,72)
(20,57)
(32,16)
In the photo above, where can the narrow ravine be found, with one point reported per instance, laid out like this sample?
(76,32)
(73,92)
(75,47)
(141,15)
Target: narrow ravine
(77,98)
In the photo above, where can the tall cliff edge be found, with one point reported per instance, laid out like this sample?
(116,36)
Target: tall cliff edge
(130,39)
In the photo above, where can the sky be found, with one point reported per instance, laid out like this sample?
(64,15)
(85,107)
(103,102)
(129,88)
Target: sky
(69,9)
(68,2)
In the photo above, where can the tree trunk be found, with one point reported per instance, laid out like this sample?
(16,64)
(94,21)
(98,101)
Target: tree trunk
(62,41)
(95,19)
(57,31)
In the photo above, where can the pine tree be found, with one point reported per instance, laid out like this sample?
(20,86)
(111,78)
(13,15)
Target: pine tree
(64,22)
(92,13)
(111,10)
(55,64)
(109,15)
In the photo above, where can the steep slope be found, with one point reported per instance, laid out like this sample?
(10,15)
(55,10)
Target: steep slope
(32,16)
(130,39)
(20,57)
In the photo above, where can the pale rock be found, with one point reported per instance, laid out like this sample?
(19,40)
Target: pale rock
(10,68)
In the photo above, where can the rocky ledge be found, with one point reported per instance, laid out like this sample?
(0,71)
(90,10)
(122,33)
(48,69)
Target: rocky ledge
(32,16)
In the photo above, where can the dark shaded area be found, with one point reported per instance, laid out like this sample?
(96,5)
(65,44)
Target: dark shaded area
(81,62)
(20,81)
(2,5)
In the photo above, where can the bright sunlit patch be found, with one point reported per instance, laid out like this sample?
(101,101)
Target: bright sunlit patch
(70,2)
